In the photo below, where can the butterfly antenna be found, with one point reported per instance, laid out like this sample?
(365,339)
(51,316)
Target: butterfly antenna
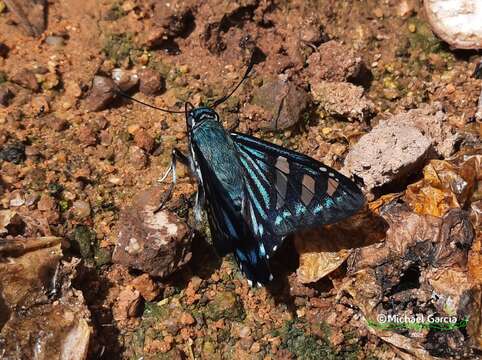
(124,95)
(245,76)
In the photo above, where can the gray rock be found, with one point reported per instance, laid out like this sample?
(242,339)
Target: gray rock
(342,99)
(432,122)
(283,102)
(389,153)
(157,243)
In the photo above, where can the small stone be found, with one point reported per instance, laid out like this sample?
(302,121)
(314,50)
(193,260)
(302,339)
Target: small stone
(148,288)
(255,348)
(25,78)
(14,153)
(5,96)
(187,319)
(126,80)
(391,94)
(81,209)
(102,93)
(46,203)
(283,102)
(55,123)
(151,82)
(17,199)
(50,81)
(87,136)
(155,241)
(133,128)
(137,157)
(53,40)
(4,49)
(244,332)
(225,305)
(144,140)
(128,304)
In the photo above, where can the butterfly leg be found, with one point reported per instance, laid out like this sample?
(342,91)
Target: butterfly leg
(176,156)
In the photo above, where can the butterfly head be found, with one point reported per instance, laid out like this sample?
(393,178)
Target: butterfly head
(196,116)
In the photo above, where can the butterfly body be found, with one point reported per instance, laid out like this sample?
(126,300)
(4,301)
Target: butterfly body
(256,193)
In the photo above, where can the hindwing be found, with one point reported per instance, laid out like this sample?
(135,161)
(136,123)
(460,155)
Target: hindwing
(286,191)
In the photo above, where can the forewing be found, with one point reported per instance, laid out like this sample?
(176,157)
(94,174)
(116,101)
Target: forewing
(287,190)
(229,229)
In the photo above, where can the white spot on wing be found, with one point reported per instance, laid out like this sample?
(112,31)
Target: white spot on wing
(250,283)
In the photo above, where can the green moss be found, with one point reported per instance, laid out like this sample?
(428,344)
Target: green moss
(225,305)
(84,241)
(303,345)
(115,12)
(422,37)
(55,189)
(120,47)
(102,256)
(64,205)
(3,77)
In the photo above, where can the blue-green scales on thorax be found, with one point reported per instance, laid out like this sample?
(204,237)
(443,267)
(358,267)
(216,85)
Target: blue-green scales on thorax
(220,154)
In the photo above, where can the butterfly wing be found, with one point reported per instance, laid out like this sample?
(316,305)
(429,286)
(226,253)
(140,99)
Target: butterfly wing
(229,229)
(286,190)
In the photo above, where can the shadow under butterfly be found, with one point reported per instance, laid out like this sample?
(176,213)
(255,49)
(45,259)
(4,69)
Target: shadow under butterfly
(256,193)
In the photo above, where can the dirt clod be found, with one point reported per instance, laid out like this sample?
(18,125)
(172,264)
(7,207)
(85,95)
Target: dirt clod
(333,61)
(343,100)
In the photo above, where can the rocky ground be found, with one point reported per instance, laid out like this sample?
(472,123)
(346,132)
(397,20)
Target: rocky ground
(90,269)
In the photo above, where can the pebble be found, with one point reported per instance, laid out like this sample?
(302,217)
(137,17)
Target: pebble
(53,40)
(137,157)
(4,49)
(343,99)
(187,319)
(148,288)
(144,140)
(151,82)
(81,209)
(5,96)
(25,78)
(14,153)
(125,79)
(334,61)
(158,243)
(101,94)
(87,136)
(283,102)
(128,304)
(17,199)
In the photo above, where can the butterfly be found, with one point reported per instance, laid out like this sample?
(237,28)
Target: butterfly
(256,193)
